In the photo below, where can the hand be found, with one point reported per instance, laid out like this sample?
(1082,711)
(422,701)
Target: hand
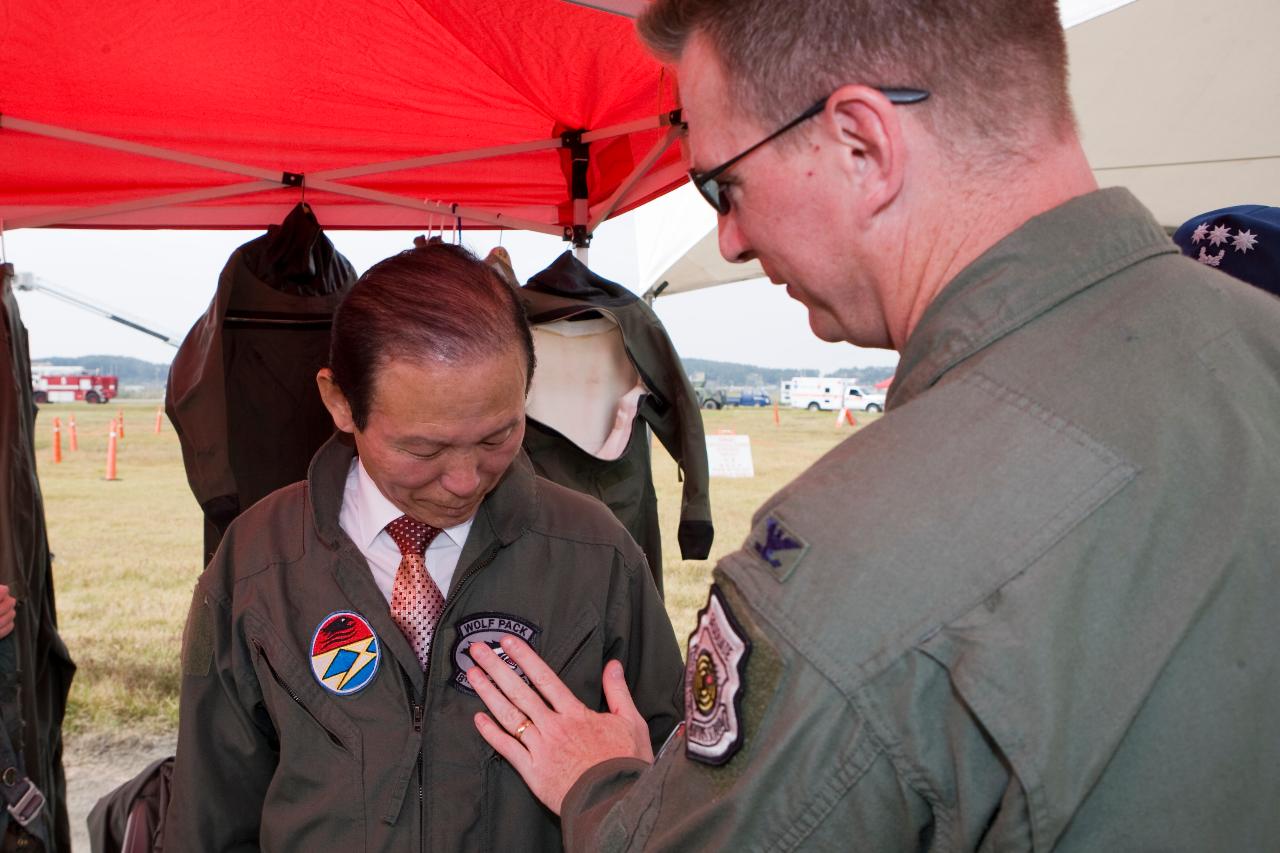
(8,609)
(564,738)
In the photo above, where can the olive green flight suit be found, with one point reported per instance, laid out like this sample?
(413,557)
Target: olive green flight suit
(1051,623)
(270,759)
(242,390)
(568,290)
(36,670)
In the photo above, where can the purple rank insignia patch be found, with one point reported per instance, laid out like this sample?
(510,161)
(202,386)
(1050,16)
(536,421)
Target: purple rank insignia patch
(714,681)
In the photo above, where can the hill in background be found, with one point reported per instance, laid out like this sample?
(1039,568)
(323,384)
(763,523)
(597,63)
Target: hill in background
(145,378)
(137,377)
(722,374)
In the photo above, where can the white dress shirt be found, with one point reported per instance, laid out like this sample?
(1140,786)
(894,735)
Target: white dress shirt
(364,516)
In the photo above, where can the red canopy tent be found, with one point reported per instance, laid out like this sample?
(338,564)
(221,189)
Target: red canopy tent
(540,114)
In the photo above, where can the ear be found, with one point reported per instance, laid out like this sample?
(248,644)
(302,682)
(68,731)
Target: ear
(867,129)
(335,401)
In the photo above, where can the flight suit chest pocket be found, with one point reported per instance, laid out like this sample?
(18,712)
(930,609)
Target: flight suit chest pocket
(513,817)
(576,655)
(301,715)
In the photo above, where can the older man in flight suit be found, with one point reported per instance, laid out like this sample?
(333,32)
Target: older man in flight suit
(324,705)
(1057,629)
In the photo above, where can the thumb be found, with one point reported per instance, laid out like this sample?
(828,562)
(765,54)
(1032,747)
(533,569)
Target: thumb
(621,705)
(616,692)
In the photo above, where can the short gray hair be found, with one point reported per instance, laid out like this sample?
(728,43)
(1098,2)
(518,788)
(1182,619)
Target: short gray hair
(992,66)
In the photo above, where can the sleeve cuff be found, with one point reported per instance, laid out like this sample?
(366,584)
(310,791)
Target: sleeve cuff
(585,805)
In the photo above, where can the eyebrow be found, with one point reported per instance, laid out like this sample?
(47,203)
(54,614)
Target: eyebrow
(419,441)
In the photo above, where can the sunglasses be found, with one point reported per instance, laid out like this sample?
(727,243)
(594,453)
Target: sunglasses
(709,186)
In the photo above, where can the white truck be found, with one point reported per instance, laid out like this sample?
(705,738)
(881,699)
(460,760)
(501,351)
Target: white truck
(829,394)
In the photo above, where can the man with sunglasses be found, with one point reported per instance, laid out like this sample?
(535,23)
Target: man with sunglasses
(1057,627)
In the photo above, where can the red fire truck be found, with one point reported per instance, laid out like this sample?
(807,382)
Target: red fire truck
(68,384)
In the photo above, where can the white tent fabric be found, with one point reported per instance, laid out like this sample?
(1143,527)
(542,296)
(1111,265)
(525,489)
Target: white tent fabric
(1180,101)
(1176,100)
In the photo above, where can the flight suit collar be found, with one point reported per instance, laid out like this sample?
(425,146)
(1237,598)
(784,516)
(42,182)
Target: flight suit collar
(508,510)
(1048,260)
(504,515)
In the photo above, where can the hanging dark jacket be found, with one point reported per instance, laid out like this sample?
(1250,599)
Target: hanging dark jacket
(36,671)
(242,391)
(568,289)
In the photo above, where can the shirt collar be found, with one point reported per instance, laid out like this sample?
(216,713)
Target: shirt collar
(1045,262)
(375,511)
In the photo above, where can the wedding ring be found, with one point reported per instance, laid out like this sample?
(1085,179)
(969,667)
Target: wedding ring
(520,728)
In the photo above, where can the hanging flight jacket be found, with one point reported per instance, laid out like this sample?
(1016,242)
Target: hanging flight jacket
(242,390)
(616,470)
(35,669)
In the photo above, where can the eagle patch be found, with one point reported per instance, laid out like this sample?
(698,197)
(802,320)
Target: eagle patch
(714,681)
(344,653)
(778,546)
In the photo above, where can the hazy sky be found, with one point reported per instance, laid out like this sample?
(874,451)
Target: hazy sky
(165,280)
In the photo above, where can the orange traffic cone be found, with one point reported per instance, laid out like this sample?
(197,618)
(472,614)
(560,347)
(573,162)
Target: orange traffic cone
(845,417)
(57,440)
(111,451)
(777,419)
(120,418)
(75,444)
(159,415)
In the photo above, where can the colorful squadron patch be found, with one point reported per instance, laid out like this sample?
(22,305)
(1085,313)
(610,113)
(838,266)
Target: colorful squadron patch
(488,628)
(714,684)
(344,653)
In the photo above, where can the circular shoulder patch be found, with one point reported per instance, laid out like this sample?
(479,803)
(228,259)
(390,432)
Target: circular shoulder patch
(344,653)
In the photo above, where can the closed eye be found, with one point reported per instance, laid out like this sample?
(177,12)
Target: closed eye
(498,438)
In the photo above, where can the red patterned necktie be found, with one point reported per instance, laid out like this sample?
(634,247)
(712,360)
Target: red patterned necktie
(416,601)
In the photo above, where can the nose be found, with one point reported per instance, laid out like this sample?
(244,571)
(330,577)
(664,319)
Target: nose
(734,246)
(462,476)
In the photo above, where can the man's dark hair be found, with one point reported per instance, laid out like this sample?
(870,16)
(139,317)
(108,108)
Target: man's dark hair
(990,65)
(438,303)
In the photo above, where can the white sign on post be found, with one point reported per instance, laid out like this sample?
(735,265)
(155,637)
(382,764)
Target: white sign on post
(730,456)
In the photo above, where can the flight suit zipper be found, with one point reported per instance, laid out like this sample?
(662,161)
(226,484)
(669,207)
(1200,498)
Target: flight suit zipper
(418,706)
(294,696)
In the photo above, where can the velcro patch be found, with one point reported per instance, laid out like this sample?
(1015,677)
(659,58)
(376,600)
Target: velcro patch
(197,639)
(488,628)
(714,683)
(776,544)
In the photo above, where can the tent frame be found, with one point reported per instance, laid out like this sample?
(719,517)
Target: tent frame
(585,220)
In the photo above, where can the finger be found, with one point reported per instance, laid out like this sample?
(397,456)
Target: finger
(559,696)
(499,706)
(618,697)
(505,745)
(616,692)
(512,686)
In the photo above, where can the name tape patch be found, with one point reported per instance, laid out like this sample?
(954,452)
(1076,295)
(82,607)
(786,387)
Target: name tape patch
(714,682)
(345,653)
(488,628)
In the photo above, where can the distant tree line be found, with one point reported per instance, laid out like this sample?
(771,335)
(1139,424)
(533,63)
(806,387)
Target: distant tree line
(130,371)
(718,374)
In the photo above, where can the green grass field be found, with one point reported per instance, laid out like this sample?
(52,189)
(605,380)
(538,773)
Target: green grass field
(127,553)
